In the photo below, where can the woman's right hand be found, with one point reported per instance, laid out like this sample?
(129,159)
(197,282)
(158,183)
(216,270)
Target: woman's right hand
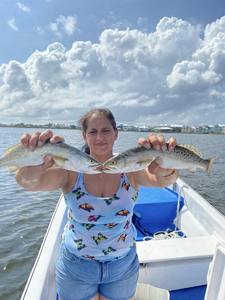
(39,139)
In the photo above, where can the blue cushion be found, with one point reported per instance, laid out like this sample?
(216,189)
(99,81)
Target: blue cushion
(158,208)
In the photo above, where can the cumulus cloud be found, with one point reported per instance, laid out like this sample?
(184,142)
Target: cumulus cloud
(12,23)
(23,7)
(167,76)
(66,24)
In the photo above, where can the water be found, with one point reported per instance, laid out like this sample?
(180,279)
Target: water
(24,216)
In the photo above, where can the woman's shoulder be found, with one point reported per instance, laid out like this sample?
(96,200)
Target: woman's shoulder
(131,178)
(71,180)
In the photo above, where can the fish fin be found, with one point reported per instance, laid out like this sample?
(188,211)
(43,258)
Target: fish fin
(192,169)
(11,149)
(59,160)
(146,162)
(13,169)
(54,166)
(192,148)
(211,160)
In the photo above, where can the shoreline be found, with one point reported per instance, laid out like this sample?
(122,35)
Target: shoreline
(74,127)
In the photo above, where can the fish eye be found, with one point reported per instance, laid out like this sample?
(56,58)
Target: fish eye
(113,162)
(91,161)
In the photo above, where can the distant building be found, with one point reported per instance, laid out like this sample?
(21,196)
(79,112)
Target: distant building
(223,130)
(205,129)
(129,127)
(199,129)
(218,129)
(119,126)
(163,129)
(143,128)
(176,128)
(188,129)
(211,128)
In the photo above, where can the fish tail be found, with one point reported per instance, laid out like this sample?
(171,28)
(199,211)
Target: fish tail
(211,160)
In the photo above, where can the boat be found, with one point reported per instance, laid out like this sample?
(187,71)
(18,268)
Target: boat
(180,244)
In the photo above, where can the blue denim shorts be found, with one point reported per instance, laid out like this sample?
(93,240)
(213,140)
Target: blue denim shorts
(81,279)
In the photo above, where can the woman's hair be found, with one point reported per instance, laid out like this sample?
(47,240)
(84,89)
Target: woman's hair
(83,122)
(98,111)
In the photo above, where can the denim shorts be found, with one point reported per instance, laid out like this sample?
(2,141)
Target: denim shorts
(81,279)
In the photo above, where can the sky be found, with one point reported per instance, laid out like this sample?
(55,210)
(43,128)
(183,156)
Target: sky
(150,62)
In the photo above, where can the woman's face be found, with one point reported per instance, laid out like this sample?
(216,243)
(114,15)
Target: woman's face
(100,136)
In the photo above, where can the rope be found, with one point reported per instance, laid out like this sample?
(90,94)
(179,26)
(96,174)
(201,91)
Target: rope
(166,235)
(178,205)
(170,234)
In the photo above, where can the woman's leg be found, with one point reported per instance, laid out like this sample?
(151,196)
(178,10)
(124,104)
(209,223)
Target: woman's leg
(96,297)
(103,298)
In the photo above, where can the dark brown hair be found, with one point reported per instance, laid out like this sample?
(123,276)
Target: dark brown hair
(83,122)
(98,111)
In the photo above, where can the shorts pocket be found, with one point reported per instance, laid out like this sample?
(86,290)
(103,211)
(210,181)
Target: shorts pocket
(69,256)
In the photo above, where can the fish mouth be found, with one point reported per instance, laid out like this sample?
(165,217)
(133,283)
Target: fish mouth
(96,170)
(103,169)
(97,167)
(109,170)
(94,167)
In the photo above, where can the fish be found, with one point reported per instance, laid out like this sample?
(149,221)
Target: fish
(64,156)
(183,156)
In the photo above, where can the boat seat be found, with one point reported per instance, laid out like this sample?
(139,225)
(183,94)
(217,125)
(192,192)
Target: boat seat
(158,208)
(175,264)
(176,249)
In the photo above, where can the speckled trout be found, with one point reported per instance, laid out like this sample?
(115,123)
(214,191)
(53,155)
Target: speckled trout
(64,156)
(184,156)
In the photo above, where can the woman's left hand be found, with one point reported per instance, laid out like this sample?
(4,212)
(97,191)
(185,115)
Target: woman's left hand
(158,143)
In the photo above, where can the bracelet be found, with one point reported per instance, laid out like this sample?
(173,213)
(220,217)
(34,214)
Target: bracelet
(169,174)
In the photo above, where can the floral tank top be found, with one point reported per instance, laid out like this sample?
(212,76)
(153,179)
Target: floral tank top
(100,229)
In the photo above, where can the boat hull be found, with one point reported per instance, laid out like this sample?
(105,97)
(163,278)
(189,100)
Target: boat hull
(172,264)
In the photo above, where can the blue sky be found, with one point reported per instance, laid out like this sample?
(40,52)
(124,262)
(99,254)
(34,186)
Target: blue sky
(92,18)
(158,61)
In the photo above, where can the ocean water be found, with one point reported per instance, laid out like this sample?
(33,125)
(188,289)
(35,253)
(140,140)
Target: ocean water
(24,216)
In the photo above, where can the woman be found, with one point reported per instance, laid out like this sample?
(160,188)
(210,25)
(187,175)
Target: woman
(98,259)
